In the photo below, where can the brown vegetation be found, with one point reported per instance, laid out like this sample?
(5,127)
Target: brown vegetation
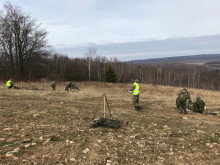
(41,126)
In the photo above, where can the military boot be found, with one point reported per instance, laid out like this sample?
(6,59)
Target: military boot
(138,108)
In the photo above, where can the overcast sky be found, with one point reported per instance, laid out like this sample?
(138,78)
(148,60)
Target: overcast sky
(72,23)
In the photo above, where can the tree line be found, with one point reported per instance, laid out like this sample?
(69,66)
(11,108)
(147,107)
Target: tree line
(25,55)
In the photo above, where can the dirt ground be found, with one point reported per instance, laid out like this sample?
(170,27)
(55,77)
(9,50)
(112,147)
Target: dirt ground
(41,126)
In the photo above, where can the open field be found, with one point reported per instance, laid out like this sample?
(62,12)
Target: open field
(41,126)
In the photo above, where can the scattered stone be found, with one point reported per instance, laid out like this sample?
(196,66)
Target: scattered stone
(171,153)
(2,139)
(7,129)
(154,124)
(71,142)
(9,154)
(27,145)
(99,141)
(11,140)
(86,151)
(166,127)
(141,143)
(47,141)
(17,149)
(96,145)
(185,118)
(161,158)
(36,115)
(41,138)
(72,159)
(23,135)
(33,144)
(132,137)
(199,131)
(180,157)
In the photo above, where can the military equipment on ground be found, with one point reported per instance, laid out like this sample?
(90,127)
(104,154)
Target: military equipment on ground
(104,121)
(214,113)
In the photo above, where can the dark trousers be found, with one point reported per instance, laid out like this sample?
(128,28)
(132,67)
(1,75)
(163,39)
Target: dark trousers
(136,100)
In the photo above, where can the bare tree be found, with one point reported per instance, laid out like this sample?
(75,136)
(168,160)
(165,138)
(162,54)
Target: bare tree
(92,52)
(21,38)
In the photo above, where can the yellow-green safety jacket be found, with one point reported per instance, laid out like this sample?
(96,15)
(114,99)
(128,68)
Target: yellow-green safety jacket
(136,90)
(8,84)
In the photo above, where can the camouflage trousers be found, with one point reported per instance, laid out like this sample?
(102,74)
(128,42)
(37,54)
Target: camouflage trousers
(184,106)
(136,100)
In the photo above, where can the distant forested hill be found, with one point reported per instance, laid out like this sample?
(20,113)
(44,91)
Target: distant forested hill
(207,59)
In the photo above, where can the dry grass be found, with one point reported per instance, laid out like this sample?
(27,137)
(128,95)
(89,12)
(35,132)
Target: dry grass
(44,119)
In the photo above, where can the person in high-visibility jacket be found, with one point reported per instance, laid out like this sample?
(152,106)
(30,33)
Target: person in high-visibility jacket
(9,84)
(135,92)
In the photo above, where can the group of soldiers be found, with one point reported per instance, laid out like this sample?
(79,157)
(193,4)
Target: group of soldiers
(70,86)
(184,101)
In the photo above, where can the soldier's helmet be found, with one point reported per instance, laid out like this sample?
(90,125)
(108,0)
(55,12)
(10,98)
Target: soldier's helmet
(198,98)
(184,91)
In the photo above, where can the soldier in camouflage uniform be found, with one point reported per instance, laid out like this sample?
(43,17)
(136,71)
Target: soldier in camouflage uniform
(183,101)
(71,86)
(53,85)
(199,105)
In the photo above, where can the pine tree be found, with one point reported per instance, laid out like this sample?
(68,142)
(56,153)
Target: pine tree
(110,75)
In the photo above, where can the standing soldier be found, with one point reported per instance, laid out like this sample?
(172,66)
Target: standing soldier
(135,92)
(53,85)
(71,86)
(183,101)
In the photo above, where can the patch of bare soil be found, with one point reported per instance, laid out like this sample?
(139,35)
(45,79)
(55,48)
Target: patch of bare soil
(41,126)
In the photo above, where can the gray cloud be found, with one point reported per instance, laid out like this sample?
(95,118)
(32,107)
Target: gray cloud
(72,22)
